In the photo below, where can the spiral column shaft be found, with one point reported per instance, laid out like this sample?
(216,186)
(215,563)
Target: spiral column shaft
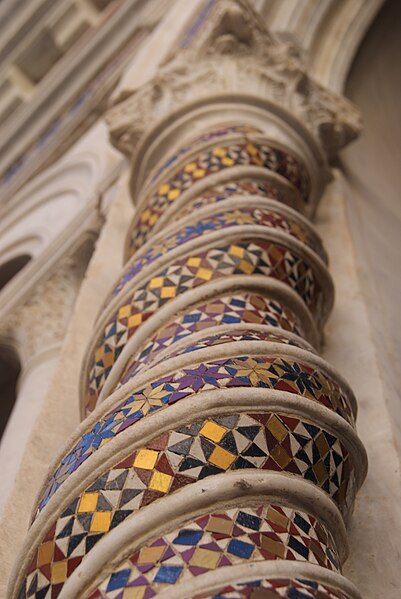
(218,455)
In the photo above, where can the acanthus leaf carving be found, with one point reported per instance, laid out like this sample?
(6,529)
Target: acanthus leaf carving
(234,54)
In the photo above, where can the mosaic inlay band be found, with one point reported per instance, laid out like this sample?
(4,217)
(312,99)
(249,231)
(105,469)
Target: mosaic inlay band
(190,272)
(237,187)
(134,366)
(212,161)
(176,459)
(246,308)
(274,589)
(201,139)
(219,540)
(269,373)
(220,221)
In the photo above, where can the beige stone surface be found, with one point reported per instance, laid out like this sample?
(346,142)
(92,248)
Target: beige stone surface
(375,529)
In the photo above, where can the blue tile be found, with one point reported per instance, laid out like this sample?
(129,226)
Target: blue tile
(168,574)
(240,548)
(118,580)
(188,537)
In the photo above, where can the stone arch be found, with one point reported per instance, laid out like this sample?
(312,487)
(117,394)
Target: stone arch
(10,368)
(10,268)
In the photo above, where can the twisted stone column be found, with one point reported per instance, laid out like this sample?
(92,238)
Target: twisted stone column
(218,455)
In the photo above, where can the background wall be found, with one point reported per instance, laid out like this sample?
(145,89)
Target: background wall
(372,169)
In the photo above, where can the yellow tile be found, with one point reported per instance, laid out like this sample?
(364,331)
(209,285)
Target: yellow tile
(277,518)
(168,292)
(213,431)
(221,458)
(235,250)
(190,168)
(205,558)
(45,553)
(193,261)
(145,215)
(163,189)
(173,194)
(199,173)
(156,282)
(246,267)
(160,482)
(227,161)
(280,456)
(108,359)
(205,273)
(146,459)
(220,525)
(151,555)
(101,522)
(99,353)
(251,149)
(124,311)
(219,152)
(277,428)
(59,572)
(274,547)
(320,471)
(134,592)
(322,444)
(134,320)
(88,502)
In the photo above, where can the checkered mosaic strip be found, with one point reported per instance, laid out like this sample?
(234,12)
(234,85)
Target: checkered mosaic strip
(220,540)
(190,272)
(276,589)
(246,308)
(269,373)
(213,161)
(219,221)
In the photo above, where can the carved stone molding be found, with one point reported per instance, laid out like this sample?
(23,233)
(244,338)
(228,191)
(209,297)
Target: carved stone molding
(41,322)
(235,54)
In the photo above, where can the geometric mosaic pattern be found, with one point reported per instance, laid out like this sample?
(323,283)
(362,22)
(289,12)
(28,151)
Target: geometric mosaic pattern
(212,161)
(178,458)
(217,541)
(241,186)
(274,589)
(268,218)
(207,136)
(209,340)
(190,272)
(201,447)
(218,193)
(232,310)
(263,372)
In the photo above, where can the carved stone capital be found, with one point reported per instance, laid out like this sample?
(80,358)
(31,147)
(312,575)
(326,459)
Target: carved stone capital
(234,54)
